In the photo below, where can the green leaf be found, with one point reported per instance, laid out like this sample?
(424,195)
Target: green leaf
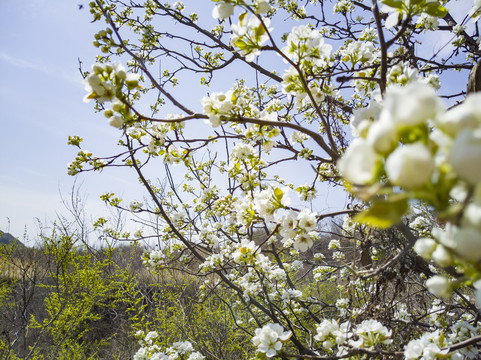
(242,17)
(435,9)
(241,44)
(260,30)
(397,4)
(384,213)
(278,193)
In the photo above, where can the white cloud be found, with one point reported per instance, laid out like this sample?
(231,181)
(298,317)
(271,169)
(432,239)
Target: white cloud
(21,63)
(72,76)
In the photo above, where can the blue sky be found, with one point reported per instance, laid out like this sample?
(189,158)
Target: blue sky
(41,95)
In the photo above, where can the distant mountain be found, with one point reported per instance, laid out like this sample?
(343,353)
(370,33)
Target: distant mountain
(8,239)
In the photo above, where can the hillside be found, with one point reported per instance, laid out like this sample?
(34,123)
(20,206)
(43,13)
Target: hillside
(8,239)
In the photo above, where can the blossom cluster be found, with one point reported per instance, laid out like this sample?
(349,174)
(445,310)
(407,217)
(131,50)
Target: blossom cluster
(269,339)
(249,34)
(365,335)
(435,344)
(409,140)
(306,48)
(149,350)
(105,84)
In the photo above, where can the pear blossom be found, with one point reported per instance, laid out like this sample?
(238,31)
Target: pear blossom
(427,346)
(472,215)
(135,205)
(269,338)
(475,11)
(120,71)
(288,228)
(331,333)
(410,105)
(439,286)
(410,166)
(464,116)
(325,328)
(427,22)
(343,6)
(262,6)
(93,83)
(359,163)
(303,242)
(245,36)
(307,220)
(116,121)
(132,80)
(334,244)
(382,136)
(370,333)
(467,242)
(222,10)
(465,155)
(363,118)
(243,250)
(442,256)
(425,247)
(304,44)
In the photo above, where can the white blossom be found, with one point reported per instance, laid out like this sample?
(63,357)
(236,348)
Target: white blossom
(307,220)
(222,10)
(465,155)
(382,136)
(410,105)
(269,338)
(425,247)
(442,256)
(303,242)
(439,286)
(410,166)
(359,163)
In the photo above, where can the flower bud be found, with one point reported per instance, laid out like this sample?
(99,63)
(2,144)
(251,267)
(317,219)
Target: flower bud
(410,165)
(223,11)
(108,113)
(117,105)
(97,69)
(425,247)
(472,215)
(467,242)
(116,121)
(359,163)
(439,286)
(120,72)
(465,155)
(132,81)
(382,136)
(442,256)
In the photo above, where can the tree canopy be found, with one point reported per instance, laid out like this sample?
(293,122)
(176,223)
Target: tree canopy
(237,114)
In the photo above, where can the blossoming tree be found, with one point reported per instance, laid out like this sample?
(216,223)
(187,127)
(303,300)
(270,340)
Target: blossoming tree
(347,93)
